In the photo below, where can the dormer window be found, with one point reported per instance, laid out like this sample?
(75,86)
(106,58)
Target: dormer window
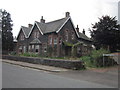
(22,37)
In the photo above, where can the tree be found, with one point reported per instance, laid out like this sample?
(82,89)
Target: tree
(7,36)
(106,33)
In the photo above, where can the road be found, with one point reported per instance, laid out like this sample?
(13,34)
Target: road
(14,76)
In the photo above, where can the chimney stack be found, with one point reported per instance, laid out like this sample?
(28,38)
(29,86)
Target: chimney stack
(30,25)
(67,14)
(42,20)
(77,28)
(83,31)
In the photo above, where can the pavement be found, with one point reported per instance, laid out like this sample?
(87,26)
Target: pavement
(35,66)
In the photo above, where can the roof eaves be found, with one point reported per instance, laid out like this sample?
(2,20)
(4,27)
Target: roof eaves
(24,32)
(18,32)
(31,30)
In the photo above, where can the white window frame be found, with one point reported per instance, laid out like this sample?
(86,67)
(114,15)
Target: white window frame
(55,41)
(50,41)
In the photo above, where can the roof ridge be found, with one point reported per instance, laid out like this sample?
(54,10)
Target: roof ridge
(84,36)
(26,27)
(56,20)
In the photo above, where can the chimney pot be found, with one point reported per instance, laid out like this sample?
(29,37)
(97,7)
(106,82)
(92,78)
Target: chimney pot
(30,25)
(77,28)
(83,31)
(42,20)
(67,14)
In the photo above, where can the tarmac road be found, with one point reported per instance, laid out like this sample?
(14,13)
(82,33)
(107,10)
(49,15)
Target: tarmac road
(14,76)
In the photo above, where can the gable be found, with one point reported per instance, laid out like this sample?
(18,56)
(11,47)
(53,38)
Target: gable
(68,30)
(20,33)
(70,25)
(36,26)
(25,31)
(33,30)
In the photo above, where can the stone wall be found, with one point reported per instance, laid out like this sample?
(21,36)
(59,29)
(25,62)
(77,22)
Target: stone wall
(74,64)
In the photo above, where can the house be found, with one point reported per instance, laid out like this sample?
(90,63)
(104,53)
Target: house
(55,38)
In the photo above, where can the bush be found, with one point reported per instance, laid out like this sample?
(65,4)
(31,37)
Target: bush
(96,58)
(87,61)
(29,55)
(95,54)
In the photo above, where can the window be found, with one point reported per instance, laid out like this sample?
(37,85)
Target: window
(36,34)
(66,35)
(50,41)
(55,40)
(60,40)
(72,36)
(45,48)
(20,49)
(24,49)
(36,48)
(29,48)
(32,48)
(22,37)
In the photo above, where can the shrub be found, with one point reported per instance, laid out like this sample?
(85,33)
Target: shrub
(97,57)
(87,61)
(29,55)
(95,54)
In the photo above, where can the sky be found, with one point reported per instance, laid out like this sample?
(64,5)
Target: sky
(83,12)
(119,12)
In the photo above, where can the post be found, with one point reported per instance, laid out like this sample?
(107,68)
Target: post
(103,61)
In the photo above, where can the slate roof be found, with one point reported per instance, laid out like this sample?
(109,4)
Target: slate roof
(26,30)
(83,36)
(53,26)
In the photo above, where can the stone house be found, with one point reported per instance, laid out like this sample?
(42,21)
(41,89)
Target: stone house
(55,38)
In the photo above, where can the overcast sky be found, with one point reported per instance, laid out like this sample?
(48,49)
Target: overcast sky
(82,12)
